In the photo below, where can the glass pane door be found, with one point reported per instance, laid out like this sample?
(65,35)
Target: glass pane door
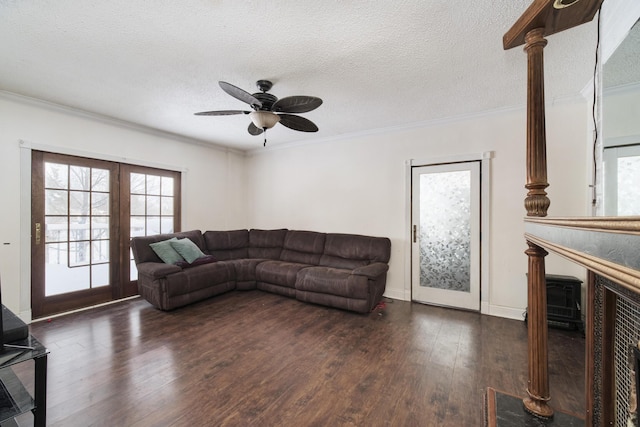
(74,243)
(152,202)
(84,213)
(76,225)
(446,221)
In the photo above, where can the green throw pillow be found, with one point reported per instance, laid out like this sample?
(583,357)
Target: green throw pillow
(189,250)
(166,252)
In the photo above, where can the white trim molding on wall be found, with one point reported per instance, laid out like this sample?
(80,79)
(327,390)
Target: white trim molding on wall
(111,121)
(25,235)
(485,196)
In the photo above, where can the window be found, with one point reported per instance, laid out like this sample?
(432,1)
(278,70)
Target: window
(621,178)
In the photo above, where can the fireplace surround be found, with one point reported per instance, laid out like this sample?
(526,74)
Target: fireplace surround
(616,366)
(608,248)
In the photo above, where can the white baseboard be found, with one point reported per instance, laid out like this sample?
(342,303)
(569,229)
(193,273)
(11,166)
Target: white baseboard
(485,307)
(502,311)
(396,294)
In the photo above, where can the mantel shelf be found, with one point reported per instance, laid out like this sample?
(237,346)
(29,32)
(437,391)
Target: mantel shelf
(606,245)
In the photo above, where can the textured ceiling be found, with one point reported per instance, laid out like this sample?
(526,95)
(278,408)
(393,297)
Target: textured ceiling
(623,68)
(376,64)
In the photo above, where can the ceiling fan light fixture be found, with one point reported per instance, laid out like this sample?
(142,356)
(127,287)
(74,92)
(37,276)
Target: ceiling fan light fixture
(264,119)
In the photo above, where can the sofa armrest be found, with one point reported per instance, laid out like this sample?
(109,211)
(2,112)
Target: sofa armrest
(372,270)
(157,269)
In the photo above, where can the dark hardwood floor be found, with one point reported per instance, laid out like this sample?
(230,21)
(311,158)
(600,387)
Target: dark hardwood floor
(253,358)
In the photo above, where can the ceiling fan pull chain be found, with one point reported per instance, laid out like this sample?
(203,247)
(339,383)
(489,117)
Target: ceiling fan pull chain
(265,137)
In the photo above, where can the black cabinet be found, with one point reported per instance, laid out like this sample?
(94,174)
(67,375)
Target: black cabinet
(564,301)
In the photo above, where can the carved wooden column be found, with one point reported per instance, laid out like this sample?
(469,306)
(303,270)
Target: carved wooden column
(542,17)
(536,204)
(537,401)
(537,201)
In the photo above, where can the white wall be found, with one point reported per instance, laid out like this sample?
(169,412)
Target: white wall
(352,185)
(620,113)
(357,185)
(213,179)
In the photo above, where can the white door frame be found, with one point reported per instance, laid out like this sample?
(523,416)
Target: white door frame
(485,198)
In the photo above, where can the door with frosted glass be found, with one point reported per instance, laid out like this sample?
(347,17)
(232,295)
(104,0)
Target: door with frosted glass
(446,235)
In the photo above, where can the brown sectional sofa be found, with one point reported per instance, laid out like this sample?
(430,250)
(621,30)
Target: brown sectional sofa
(346,271)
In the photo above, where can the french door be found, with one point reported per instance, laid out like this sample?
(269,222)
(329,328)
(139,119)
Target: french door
(151,206)
(84,212)
(445,246)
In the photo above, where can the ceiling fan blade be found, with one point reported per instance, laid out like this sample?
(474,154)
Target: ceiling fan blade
(254,130)
(221,113)
(240,94)
(298,123)
(297,104)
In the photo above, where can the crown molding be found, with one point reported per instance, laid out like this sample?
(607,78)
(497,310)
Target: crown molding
(76,112)
(625,89)
(261,150)
(415,125)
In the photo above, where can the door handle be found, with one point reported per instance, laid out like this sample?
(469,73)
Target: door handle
(38,232)
(415,227)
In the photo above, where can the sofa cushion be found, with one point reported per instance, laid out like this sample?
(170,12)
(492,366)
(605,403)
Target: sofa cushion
(353,251)
(246,268)
(279,273)
(303,246)
(189,250)
(372,271)
(266,243)
(337,301)
(207,259)
(166,252)
(333,281)
(226,245)
(275,289)
(157,270)
(142,252)
(200,277)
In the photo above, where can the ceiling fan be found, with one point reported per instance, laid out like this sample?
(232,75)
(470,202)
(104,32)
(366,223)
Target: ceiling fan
(269,110)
